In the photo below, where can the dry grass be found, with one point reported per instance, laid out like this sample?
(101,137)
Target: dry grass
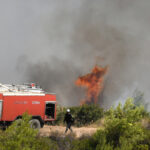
(59,131)
(98,124)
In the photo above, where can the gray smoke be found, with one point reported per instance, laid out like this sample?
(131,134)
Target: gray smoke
(53,42)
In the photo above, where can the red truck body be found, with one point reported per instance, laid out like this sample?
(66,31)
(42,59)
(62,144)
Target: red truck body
(41,106)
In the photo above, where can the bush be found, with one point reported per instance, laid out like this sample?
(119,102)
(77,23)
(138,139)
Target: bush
(83,115)
(87,114)
(19,136)
(129,111)
(63,142)
(122,131)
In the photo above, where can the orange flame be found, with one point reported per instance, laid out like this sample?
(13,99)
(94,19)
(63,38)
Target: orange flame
(93,82)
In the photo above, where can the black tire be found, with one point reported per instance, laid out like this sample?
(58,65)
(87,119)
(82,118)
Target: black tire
(35,124)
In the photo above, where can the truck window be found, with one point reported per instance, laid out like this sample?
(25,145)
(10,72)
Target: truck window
(50,110)
(1,103)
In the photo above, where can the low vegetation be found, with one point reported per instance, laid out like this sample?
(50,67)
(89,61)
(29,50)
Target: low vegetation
(123,131)
(83,115)
(19,136)
(126,127)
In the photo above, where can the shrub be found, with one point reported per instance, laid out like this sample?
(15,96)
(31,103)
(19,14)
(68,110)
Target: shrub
(122,125)
(83,115)
(87,114)
(122,131)
(22,137)
(129,111)
(63,142)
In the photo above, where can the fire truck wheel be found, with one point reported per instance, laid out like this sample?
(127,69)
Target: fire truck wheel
(35,124)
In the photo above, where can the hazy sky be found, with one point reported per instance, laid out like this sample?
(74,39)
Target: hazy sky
(53,42)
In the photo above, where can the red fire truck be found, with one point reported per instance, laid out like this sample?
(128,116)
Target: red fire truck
(18,99)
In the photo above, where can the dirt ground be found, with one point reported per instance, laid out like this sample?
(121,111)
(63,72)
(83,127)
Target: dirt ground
(82,131)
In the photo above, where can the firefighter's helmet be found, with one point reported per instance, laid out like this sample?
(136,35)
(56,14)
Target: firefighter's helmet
(68,110)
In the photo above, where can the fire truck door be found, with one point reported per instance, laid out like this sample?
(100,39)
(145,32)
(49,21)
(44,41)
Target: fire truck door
(1,106)
(50,110)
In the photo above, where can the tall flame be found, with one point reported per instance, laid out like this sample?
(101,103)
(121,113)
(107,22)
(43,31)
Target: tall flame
(93,82)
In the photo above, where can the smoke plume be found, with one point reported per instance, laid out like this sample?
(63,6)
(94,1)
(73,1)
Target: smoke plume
(52,43)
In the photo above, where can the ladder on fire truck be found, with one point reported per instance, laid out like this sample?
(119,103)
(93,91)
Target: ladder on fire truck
(26,87)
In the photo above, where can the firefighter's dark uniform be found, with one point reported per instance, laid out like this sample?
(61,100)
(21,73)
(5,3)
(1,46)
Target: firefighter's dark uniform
(69,120)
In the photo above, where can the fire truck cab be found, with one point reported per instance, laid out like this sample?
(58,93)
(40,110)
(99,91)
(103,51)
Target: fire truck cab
(18,99)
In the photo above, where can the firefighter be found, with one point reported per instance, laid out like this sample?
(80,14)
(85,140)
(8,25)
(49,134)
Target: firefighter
(69,120)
